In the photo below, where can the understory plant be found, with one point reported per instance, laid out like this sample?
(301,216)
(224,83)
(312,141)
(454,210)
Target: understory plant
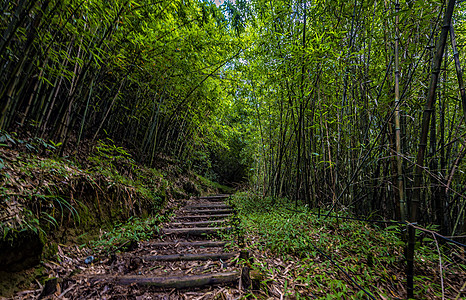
(123,235)
(331,258)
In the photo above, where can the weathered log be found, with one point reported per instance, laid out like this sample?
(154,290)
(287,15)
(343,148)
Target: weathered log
(196,230)
(221,196)
(210,222)
(188,244)
(217,200)
(179,282)
(210,211)
(203,216)
(208,205)
(190,257)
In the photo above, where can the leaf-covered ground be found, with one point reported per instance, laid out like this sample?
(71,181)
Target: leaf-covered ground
(70,270)
(302,256)
(70,201)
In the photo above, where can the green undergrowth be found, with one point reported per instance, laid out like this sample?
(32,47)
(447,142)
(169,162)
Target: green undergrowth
(305,245)
(61,198)
(124,235)
(49,193)
(97,196)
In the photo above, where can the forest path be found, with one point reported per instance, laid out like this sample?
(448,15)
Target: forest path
(195,258)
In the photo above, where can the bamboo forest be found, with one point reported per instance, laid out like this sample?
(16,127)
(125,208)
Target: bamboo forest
(232,149)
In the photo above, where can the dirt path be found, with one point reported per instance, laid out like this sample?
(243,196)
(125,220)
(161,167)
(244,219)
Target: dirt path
(193,259)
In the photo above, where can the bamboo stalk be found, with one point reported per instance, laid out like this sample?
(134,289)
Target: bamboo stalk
(13,25)
(85,113)
(109,109)
(459,71)
(399,162)
(9,90)
(56,91)
(429,107)
(423,140)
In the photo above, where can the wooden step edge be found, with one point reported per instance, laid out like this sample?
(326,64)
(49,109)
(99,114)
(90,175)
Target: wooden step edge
(209,211)
(191,257)
(178,282)
(205,203)
(195,230)
(208,206)
(203,216)
(209,222)
(221,196)
(189,244)
(217,199)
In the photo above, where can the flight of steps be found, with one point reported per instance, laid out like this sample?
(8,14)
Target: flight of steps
(191,258)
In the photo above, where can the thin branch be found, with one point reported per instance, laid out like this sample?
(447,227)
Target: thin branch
(440,266)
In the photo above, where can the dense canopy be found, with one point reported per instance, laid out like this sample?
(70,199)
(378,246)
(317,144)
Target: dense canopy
(341,105)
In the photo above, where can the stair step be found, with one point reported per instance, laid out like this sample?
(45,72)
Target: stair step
(209,205)
(210,222)
(210,211)
(189,244)
(220,196)
(190,257)
(215,198)
(179,282)
(203,216)
(196,230)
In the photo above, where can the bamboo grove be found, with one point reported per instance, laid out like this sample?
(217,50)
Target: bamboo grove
(334,104)
(337,93)
(143,73)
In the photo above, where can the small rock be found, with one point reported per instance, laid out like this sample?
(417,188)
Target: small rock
(89,259)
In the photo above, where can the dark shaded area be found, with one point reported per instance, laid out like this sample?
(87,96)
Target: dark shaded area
(230,165)
(20,250)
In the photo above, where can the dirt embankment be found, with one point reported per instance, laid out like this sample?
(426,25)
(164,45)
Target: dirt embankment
(46,201)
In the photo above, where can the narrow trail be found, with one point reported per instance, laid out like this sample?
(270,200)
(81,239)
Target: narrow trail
(192,259)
